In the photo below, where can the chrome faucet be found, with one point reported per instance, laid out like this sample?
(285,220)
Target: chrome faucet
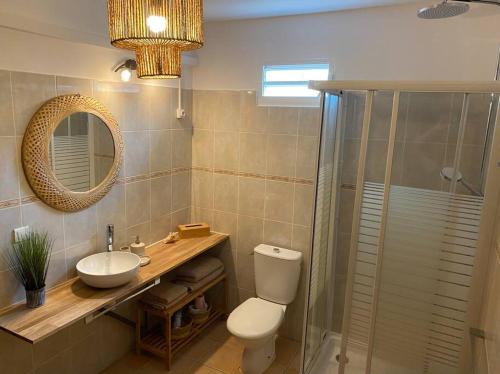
(111,231)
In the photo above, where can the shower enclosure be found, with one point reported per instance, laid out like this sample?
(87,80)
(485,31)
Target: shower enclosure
(407,187)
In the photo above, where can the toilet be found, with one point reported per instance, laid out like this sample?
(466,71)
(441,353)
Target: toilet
(255,322)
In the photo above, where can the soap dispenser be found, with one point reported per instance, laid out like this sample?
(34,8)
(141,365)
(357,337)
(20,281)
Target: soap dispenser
(138,247)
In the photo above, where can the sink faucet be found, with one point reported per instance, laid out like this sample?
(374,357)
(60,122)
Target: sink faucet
(111,230)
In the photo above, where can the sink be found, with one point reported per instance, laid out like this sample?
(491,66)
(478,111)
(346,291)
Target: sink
(108,269)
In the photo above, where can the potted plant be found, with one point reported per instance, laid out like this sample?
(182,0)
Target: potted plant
(29,260)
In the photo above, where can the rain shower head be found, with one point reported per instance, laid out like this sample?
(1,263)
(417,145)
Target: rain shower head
(443,10)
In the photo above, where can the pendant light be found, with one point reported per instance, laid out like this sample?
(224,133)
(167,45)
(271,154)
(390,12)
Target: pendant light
(158,31)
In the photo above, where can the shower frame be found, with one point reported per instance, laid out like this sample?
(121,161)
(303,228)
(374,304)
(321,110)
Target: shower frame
(491,196)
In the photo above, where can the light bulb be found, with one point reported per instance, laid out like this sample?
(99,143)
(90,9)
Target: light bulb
(156,23)
(125,75)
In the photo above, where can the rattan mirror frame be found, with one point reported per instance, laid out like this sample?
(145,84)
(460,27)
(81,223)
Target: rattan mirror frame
(35,153)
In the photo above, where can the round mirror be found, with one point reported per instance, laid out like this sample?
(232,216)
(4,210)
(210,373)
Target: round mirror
(81,151)
(72,152)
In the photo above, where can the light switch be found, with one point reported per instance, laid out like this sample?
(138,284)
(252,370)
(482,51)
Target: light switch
(20,232)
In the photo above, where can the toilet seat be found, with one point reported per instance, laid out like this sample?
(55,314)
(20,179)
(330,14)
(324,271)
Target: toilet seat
(255,319)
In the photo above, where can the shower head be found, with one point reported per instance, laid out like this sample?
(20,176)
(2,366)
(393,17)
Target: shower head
(449,173)
(443,10)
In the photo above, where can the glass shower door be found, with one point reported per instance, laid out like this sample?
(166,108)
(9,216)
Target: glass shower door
(320,282)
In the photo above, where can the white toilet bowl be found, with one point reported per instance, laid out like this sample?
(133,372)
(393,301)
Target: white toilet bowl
(255,323)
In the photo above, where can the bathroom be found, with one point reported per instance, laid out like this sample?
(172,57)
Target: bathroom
(257,171)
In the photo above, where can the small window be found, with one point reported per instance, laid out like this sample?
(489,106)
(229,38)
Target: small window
(288,84)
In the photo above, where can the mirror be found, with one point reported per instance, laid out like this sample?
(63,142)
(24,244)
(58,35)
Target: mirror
(81,151)
(72,152)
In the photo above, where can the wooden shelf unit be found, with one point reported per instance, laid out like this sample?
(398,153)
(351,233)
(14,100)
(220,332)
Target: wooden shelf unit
(158,341)
(72,300)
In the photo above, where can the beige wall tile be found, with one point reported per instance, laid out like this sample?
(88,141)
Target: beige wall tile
(278,233)
(10,219)
(6,109)
(181,148)
(30,91)
(225,192)
(111,209)
(430,124)
(350,156)
(245,272)
(136,153)
(202,193)
(203,113)
(180,217)
(309,121)
(79,251)
(227,223)
(40,217)
(281,155)
(226,150)
(422,165)
(252,153)
(346,209)
(203,148)
(143,230)
(301,241)
(283,120)
(253,118)
(250,233)
(9,187)
(161,150)
(251,196)
(57,269)
(202,215)
(161,196)
(138,202)
(161,111)
(69,86)
(80,226)
(11,291)
(303,204)
(307,150)
(227,111)
(181,190)
(279,201)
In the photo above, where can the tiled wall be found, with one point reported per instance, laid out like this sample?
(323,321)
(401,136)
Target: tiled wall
(425,143)
(151,197)
(253,173)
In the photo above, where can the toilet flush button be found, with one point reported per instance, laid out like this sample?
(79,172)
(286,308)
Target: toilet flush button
(276,250)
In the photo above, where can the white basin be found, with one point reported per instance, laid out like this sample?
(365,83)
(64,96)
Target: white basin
(108,269)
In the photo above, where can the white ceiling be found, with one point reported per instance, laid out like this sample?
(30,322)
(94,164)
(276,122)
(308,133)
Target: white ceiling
(86,21)
(216,10)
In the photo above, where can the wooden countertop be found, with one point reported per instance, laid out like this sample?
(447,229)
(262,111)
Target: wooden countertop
(73,300)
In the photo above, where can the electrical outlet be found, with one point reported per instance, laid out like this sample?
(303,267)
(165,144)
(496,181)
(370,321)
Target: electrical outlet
(181,113)
(20,232)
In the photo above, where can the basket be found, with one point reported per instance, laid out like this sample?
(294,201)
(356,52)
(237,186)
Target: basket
(183,331)
(198,316)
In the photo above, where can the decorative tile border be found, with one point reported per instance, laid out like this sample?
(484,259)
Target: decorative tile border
(254,175)
(143,177)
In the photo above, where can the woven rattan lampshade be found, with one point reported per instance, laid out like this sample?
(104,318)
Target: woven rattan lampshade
(158,62)
(181,21)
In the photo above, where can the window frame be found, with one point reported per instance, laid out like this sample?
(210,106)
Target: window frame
(289,101)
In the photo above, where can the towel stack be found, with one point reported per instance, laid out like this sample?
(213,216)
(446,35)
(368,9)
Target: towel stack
(199,272)
(165,295)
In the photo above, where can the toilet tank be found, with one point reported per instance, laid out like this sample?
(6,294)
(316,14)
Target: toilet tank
(277,272)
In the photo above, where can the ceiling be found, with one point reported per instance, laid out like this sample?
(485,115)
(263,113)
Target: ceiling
(86,21)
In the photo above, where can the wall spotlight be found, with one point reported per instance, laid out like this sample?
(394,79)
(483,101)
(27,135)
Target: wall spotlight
(126,69)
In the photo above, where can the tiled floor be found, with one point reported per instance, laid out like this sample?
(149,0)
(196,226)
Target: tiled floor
(215,352)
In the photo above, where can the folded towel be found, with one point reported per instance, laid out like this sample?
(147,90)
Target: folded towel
(164,295)
(194,286)
(197,269)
